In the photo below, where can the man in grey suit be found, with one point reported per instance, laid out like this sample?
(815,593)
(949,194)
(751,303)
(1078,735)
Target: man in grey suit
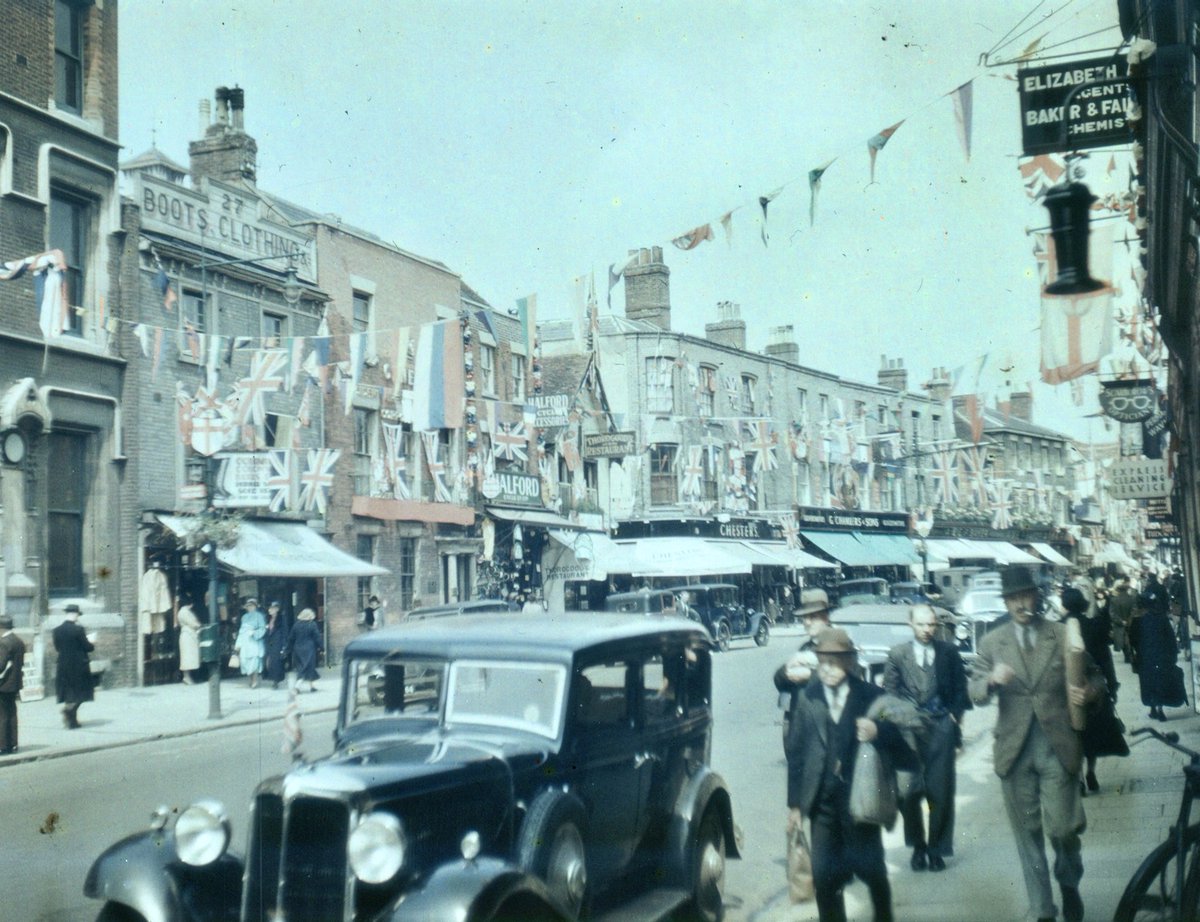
(930,674)
(1037,754)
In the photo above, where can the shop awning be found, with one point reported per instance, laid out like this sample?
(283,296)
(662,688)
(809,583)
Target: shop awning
(587,555)
(776,554)
(1114,552)
(680,557)
(1050,554)
(890,550)
(280,549)
(843,546)
(544,518)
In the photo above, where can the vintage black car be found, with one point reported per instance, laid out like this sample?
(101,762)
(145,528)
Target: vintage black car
(472,607)
(488,767)
(716,606)
(642,602)
(875,629)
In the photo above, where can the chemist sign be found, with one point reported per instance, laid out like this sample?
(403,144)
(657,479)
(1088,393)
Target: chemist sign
(1075,106)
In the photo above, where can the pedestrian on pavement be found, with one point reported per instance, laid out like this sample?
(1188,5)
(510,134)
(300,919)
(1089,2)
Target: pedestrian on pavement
(249,643)
(189,639)
(12,662)
(930,674)
(275,646)
(827,728)
(772,609)
(371,616)
(1037,753)
(304,644)
(1120,612)
(1103,735)
(1152,642)
(792,676)
(73,681)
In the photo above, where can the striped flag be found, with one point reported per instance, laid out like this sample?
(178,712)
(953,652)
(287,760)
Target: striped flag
(439,387)
(293,734)
(878,142)
(437,468)
(279,482)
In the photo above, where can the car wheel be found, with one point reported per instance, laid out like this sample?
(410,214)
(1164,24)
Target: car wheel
(115,912)
(762,636)
(708,871)
(551,847)
(724,636)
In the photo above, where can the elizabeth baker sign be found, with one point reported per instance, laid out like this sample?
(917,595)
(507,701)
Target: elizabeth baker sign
(1074,106)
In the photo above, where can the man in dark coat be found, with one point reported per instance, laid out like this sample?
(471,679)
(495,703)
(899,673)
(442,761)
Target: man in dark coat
(826,729)
(12,661)
(930,674)
(275,646)
(73,680)
(792,676)
(1037,753)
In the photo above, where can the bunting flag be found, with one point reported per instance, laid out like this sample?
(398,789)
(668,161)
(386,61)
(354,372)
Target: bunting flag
(304,414)
(141,333)
(727,227)
(279,481)
(162,285)
(358,355)
(972,481)
(761,443)
(789,527)
(691,478)
(877,143)
(1001,505)
(183,414)
(396,459)
(509,442)
(962,98)
(317,479)
(195,341)
(965,394)
(1031,48)
(317,363)
(1041,172)
(439,383)
(437,469)
(49,288)
(763,202)
(697,236)
(294,345)
(1077,329)
(814,186)
(943,472)
(266,376)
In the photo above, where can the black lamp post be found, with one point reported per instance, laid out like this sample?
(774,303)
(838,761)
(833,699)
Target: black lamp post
(1070,204)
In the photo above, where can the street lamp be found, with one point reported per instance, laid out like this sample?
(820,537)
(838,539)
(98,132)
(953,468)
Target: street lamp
(923,525)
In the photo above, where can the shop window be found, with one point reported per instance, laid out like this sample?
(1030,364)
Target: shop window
(67,470)
(68,56)
(365,551)
(660,385)
(487,370)
(362,312)
(70,231)
(406,572)
(664,484)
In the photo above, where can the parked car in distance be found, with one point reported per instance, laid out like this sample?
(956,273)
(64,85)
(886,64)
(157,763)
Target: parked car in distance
(642,602)
(471,607)
(984,579)
(499,767)
(911,592)
(869,590)
(876,628)
(954,581)
(980,611)
(716,606)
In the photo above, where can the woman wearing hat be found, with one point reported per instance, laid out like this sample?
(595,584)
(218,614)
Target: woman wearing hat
(249,643)
(827,727)
(304,644)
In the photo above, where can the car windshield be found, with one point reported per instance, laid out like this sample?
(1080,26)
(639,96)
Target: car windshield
(493,693)
(879,636)
(975,602)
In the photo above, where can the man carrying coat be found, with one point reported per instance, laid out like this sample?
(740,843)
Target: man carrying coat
(929,673)
(1037,754)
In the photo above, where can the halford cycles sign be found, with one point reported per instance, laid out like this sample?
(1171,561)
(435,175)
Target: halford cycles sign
(1074,106)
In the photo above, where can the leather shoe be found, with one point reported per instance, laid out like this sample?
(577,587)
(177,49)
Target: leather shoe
(920,860)
(937,863)
(1092,784)
(1072,905)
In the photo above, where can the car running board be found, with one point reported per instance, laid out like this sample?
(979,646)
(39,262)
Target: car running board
(654,904)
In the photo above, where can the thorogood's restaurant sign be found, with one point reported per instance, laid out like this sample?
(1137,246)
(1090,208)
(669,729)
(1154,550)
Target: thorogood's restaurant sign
(609,444)
(1074,106)
(1138,478)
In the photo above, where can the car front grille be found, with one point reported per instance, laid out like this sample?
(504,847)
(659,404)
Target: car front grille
(296,863)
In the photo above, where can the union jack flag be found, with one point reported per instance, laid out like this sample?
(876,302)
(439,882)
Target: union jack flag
(317,479)
(791,530)
(510,442)
(279,483)
(762,442)
(437,469)
(266,374)
(397,462)
(691,482)
(1001,503)
(971,478)
(943,473)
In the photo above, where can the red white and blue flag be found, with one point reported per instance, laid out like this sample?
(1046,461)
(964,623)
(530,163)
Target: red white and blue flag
(509,442)
(279,482)
(692,479)
(943,471)
(439,386)
(397,461)
(49,288)
(266,376)
(1001,504)
(762,443)
(437,468)
(317,479)
(972,485)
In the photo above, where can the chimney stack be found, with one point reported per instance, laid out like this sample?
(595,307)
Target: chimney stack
(1021,405)
(225,151)
(782,344)
(730,328)
(939,385)
(648,288)
(893,374)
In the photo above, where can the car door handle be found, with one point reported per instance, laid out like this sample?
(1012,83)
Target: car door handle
(642,758)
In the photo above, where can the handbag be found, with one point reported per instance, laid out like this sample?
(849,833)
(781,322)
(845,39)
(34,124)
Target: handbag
(873,792)
(799,866)
(234,661)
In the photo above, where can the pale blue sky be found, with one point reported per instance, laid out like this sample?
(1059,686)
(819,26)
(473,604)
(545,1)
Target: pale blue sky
(526,143)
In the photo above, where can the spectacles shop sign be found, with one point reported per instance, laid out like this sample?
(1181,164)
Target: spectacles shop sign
(1138,478)
(1074,106)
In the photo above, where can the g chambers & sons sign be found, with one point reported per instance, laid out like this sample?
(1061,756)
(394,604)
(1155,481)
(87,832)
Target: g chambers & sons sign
(222,219)
(1074,106)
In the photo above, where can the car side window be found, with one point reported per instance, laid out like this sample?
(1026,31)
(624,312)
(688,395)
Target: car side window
(602,699)
(661,687)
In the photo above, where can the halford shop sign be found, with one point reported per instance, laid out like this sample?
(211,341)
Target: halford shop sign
(1128,401)
(1074,106)
(1138,478)
(609,444)
(514,489)
(552,409)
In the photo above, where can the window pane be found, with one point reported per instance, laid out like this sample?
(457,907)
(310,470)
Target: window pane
(362,312)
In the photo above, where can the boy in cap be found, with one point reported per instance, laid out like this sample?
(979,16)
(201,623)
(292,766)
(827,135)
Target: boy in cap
(1038,755)
(826,729)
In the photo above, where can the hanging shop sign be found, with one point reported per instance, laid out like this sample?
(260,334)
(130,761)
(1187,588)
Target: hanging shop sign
(1138,478)
(816,517)
(609,445)
(552,409)
(1128,401)
(1074,106)
(1158,509)
(242,480)
(513,489)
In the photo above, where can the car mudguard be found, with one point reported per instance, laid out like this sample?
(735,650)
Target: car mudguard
(706,789)
(143,873)
(483,890)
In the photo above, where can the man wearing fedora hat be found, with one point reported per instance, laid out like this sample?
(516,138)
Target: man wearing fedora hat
(73,681)
(1037,754)
(12,660)
(792,676)
(826,729)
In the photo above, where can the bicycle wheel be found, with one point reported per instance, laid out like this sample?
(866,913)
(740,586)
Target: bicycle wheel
(1150,894)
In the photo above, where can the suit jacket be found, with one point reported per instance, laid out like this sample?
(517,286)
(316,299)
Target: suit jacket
(12,660)
(1038,692)
(811,734)
(902,677)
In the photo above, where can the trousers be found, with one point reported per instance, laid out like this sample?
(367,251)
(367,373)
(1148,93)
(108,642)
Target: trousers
(935,784)
(841,850)
(8,721)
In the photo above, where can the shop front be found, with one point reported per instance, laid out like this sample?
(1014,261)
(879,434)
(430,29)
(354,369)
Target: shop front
(869,543)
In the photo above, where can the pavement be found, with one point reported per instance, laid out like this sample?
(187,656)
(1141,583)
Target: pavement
(127,716)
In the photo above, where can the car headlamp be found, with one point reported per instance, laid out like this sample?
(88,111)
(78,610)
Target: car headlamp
(962,631)
(376,848)
(202,833)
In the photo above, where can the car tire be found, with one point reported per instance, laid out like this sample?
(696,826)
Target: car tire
(551,848)
(762,636)
(708,871)
(724,636)
(116,912)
